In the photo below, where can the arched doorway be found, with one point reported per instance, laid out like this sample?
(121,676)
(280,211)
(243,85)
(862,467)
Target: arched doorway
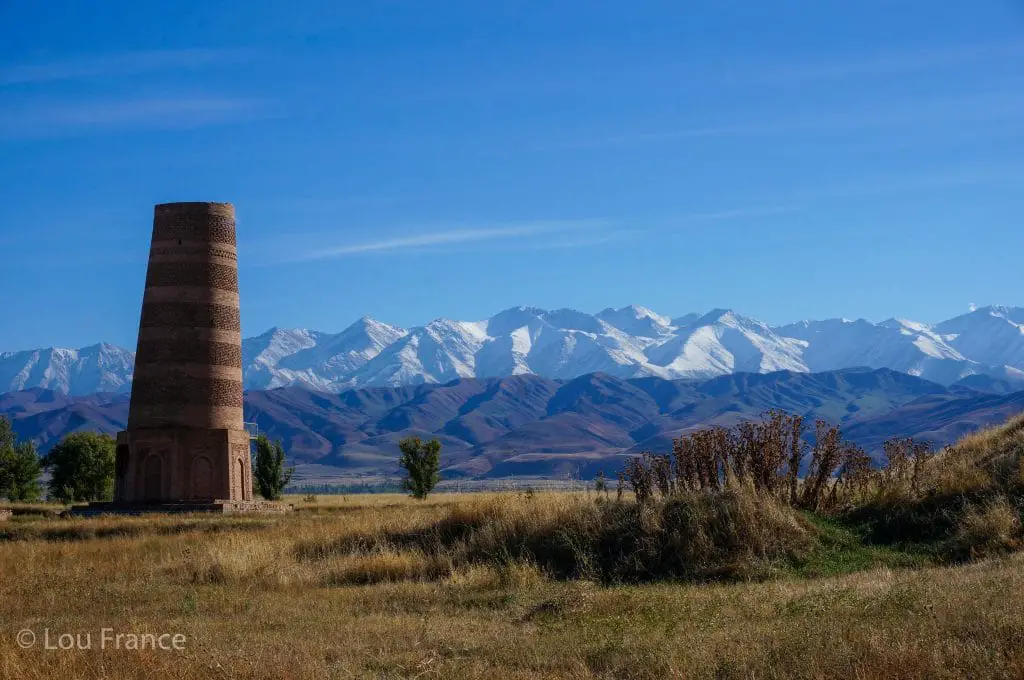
(121,461)
(152,478)
(202,478)
(241,492)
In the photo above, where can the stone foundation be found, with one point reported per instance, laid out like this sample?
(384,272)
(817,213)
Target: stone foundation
(218,507)
(181,465)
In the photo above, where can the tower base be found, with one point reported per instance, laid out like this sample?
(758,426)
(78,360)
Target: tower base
(176,465)
(217,507)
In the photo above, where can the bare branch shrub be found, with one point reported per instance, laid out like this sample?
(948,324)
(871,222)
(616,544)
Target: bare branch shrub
(768,455)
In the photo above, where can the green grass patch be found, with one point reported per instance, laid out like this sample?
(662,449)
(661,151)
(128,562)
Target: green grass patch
(843,549)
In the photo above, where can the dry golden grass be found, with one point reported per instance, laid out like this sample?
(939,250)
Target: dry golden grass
(989,457)
(256,599)
(691,536)
(509,586)
(990,529)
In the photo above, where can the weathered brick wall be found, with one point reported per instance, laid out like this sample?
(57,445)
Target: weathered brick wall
(189,355)
(185,439)
(194,273)
(189,314)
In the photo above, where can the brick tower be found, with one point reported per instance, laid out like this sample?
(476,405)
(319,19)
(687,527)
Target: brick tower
(185,442)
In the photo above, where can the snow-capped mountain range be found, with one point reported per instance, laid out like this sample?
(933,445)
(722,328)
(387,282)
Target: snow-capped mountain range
(561,344)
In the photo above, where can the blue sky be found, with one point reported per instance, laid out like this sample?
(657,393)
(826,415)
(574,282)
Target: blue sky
(410,160)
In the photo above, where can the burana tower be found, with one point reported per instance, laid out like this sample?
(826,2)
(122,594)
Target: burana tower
(186,442)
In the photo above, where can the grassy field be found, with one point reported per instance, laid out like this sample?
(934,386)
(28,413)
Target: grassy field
(911,571)
(349,587)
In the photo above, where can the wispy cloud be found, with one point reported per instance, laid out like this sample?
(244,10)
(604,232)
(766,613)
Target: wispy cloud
(812,198)
(57,119)
(598,237)
(748,214)
(119,64)
(735,214)
(635,74)
(886,63)
(945,111)
(447,237)
(923,182)
(519,237)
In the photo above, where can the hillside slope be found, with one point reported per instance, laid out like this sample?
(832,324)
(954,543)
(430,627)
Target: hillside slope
(527,425)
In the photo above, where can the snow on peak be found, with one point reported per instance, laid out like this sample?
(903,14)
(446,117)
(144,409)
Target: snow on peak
(98,368)
(626,342)
(637,320)
(369,329)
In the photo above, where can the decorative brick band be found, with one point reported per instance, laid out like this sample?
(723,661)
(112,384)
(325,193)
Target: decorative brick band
(185,335)
(206,230)
(157,371)
(176,389)
(202,352)
(158,416)
(182,253)
(205,222)
(194,209)
(196,294)
(190,315)
(182,245)
(200,274)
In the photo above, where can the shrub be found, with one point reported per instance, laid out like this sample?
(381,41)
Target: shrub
(902,475)
(768,455)
(920,496)
(736,533)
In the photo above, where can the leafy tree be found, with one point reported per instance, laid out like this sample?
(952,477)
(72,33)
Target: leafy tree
(269,474)
(19,466)
(422,462)
(7,443)
(600,482)
(82,467)
(24,469)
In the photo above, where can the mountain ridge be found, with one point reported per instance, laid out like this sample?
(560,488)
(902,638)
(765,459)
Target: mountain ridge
(628,342)
(535,426)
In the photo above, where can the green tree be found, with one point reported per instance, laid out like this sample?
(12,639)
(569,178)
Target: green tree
(422,463)
(82,467)
(269,475)
(7,443)
(24,470)
(19,466)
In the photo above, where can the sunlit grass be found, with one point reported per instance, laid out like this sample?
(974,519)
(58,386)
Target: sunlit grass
(254,605)
(544,585)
